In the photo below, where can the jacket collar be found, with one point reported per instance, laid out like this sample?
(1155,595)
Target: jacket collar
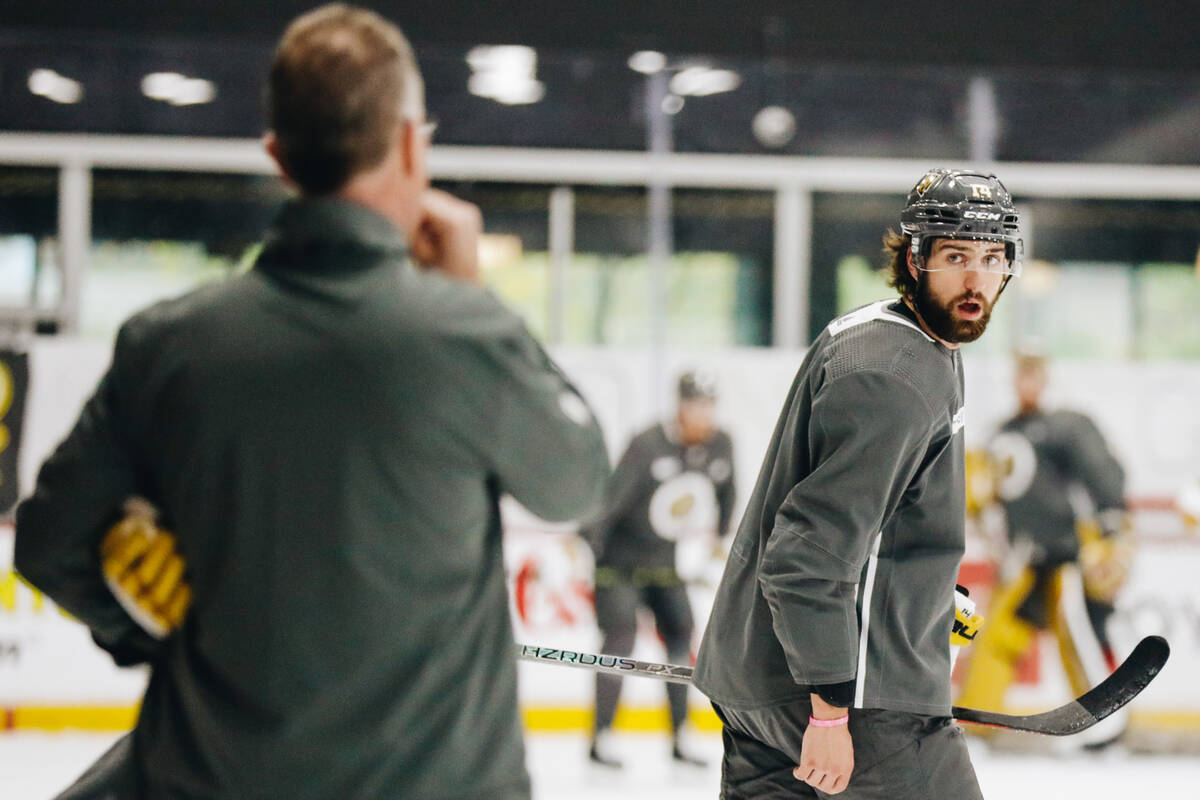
(328,234)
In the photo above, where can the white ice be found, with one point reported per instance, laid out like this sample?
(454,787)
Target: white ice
(34,766)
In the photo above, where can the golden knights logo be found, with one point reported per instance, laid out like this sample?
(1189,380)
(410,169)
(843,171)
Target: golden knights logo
(926,182)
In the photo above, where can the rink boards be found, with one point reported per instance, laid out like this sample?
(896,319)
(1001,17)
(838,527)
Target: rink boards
(52,676)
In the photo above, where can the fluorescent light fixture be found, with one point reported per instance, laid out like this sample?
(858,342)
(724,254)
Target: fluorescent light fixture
(505,73)
(178,90)
(49,84)
(701,81)
(647,62)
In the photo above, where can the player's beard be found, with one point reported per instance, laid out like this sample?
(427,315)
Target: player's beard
(939,315)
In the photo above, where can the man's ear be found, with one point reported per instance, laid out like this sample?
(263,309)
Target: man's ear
(908,260)
(409,141)
(271,145)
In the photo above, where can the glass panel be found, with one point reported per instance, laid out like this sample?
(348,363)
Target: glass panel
(859,282)
(1168,296)
(29,267)
(608,284)
(1122,272)
(158,235)
(847,252)
(514,253)
(1075,309)
(718,281)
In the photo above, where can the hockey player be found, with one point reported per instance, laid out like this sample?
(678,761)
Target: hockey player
(1067,554)
(659,486)
(826,651)
(328,436)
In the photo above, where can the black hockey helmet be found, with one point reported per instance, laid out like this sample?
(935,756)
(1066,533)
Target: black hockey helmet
(960,204)
(697,385)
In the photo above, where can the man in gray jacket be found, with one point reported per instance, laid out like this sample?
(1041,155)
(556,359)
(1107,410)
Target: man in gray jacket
(827,653)
(328,436)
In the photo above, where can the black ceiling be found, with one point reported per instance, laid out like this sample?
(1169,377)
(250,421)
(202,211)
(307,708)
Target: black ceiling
(1106,35)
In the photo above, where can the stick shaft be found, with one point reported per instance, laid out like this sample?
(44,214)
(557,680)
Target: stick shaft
(614,665)
(1133,675)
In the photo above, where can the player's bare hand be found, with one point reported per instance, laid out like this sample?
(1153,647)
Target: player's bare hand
(447,237)
(826,758)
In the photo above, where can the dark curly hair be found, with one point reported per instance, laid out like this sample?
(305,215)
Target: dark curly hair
(895,251)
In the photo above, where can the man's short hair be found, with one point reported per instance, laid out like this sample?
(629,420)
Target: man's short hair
(343,78)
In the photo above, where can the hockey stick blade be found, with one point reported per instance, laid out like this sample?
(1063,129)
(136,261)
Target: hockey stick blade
(1124,684)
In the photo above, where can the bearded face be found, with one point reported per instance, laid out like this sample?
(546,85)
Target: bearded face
(958,287)
(957,319)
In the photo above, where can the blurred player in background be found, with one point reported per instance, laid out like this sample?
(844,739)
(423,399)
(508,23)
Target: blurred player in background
(826,654)
(668,477)
(1068,550)
(328,435)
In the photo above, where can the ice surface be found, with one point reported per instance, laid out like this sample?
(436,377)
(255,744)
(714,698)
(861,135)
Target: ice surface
(34,766)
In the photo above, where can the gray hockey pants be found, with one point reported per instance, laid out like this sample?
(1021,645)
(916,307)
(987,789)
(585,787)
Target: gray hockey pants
(897,756)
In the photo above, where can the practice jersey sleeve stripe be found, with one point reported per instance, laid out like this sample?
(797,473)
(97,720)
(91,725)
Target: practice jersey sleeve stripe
(864,628)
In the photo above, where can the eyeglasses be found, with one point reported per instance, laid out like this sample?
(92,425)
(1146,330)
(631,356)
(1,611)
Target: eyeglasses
(426,128)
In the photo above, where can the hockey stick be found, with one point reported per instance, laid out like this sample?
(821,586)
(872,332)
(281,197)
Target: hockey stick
(1124,684)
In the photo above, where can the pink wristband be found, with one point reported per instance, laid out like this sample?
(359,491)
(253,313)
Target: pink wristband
(828,723)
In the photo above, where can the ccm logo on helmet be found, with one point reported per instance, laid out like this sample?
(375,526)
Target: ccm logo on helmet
(980,215)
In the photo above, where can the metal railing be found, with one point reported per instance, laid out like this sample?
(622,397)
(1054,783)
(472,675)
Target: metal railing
(793,179)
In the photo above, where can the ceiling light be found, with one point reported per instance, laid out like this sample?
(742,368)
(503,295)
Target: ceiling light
(774,126)
(672,104)
(647,62)
(505,73)
(701,81)
(49,84)
(178,90)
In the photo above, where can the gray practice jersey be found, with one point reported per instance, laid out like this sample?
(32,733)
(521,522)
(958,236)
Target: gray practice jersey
(656,494)
(844,565)
(1053,466)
